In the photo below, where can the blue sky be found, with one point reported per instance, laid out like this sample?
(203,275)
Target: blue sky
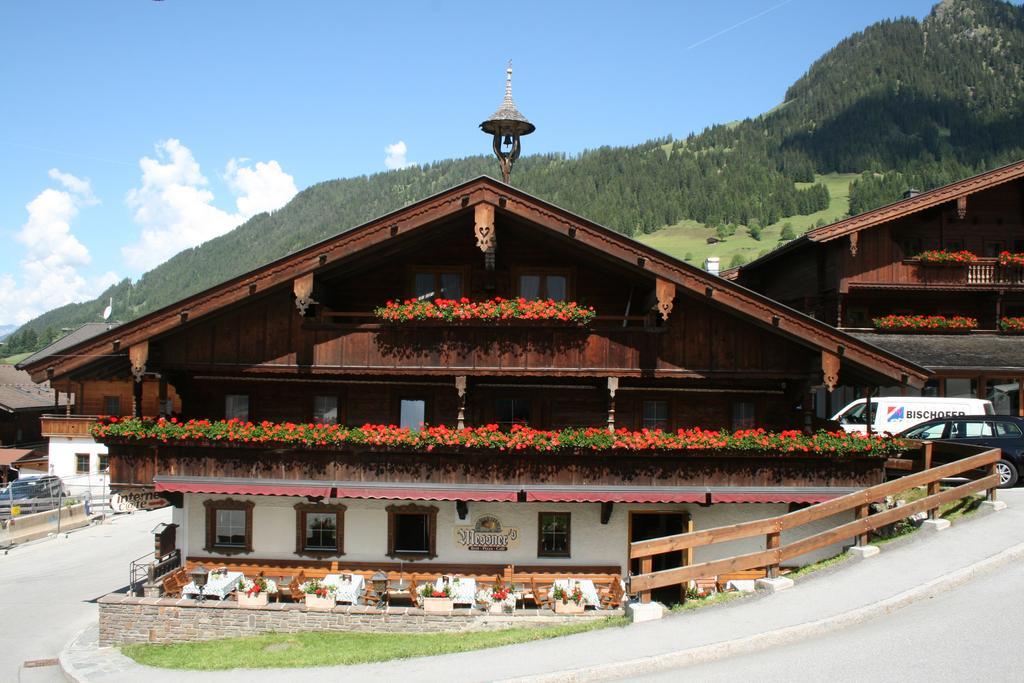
(187,116)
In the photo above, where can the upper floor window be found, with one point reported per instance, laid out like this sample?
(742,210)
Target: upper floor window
(511,411)
(82,463)
(655,415)
(993,249)
(236,407)
(543,285)
(111,405)
(436,283)
(743,415)
(911,246)
(412,413)
(954,245)
(325,409)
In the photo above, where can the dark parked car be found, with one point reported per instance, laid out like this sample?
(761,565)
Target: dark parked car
(995,431)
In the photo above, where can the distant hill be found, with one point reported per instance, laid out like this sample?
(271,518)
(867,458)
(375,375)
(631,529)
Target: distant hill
(6,330)
(902,103)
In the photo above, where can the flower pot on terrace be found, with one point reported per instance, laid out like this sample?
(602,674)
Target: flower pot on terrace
(569,607)
(315,602)
(500,608)
(259,600)
(438,605)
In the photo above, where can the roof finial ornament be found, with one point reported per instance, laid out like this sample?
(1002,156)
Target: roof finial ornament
(506,126)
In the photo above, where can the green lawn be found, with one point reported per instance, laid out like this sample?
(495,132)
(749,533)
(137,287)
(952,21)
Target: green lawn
(690,237)
(277,650)
(16,358)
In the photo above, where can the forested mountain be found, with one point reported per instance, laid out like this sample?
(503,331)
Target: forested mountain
(904,103)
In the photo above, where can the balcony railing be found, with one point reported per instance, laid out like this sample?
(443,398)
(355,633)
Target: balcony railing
(983,273)
(67,425)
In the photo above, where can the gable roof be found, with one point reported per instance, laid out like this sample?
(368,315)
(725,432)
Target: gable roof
(484,190)
(72,338)
(894,211)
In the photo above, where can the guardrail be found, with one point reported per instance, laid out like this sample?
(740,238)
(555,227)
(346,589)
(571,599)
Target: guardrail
(150,570)
(771,528)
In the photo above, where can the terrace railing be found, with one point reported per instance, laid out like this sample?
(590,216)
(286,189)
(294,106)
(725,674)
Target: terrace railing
(986,271)
(770,529)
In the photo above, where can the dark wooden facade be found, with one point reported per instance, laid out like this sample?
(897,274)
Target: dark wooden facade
(302,328)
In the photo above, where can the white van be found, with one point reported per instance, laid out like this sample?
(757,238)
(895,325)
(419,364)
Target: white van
(893,414)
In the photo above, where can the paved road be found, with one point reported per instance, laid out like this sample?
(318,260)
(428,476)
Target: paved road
(967,634)
(47,588)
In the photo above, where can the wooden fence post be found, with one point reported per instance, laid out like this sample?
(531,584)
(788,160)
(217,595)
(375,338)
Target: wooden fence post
(927,455)
(990,495)
(772,543)
(862,511)
(646,567)
(933,489)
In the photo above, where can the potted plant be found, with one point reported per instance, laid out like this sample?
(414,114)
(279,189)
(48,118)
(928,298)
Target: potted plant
(1009,259)
(255,592)
(498,599)
(1012,325)
(940,324)
(941,257)
(319,595)
(436,599)
(568,600)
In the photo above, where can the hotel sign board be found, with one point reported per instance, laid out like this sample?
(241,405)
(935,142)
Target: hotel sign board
(486,534)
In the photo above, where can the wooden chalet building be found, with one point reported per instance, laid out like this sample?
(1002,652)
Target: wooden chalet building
(297,341)
(869,266)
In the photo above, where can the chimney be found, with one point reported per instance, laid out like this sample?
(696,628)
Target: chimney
(711,265)
(911,192)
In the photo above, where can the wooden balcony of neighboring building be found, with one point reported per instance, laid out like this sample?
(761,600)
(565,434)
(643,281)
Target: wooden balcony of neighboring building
(985,273)
(67,425)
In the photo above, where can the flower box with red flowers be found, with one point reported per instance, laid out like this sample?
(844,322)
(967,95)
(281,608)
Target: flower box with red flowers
(255,592)
(1012,325)
(1009,259)
(576,441)
(941,257)
(568,600)
(434,599)
(933,324)
(497,311)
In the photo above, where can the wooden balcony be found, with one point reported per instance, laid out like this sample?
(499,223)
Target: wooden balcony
(71,426)
(986,272)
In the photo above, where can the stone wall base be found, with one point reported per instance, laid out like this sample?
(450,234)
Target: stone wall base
(126,619)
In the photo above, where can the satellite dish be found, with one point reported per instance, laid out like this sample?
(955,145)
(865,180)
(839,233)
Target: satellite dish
(110,307)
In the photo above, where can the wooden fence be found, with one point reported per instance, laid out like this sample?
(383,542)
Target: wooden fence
(771,528)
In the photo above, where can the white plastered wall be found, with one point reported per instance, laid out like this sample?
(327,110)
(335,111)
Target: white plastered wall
(592,543)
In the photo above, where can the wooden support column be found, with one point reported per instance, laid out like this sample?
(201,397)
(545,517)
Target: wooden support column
(302,286)
(138,355)
(613,386)
(868,422)
(163,408)
(460,386)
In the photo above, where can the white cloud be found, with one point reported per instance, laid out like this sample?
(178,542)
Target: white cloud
(173,205)
(49,274)
(395,156)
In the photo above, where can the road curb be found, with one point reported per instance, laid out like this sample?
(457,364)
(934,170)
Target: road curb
(68,667)
(783,636)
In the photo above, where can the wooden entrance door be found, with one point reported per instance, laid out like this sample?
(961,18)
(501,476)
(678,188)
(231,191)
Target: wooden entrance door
(645,525)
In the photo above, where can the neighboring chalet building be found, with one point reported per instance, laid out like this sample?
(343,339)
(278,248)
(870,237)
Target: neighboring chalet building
(73,454)
(297,341)
(22,402)
(868,266)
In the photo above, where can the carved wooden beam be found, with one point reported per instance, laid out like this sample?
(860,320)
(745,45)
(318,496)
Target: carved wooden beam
(486,235)
(830,370)
(961,207)
(666,292)
(853,243)
(138,354)
(302,286)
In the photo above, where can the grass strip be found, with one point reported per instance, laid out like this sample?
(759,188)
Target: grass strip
(292,650)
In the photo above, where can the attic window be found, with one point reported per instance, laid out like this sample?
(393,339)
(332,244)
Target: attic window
(436,283)
(543,285)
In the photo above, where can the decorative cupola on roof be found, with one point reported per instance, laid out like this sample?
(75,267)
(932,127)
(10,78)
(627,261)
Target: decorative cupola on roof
(507,125)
